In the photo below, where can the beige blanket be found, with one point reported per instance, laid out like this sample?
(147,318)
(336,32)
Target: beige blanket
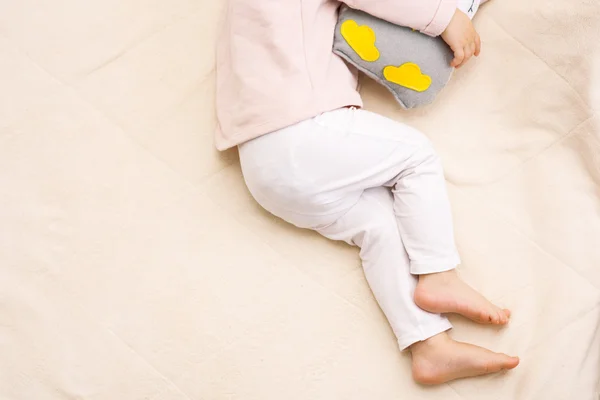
(134,264)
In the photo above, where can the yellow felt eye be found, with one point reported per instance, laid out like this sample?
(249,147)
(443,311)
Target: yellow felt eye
(408,75)
(361,39)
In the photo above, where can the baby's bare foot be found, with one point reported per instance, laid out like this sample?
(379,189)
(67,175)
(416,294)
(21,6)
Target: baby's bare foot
(441,359)
(445,292)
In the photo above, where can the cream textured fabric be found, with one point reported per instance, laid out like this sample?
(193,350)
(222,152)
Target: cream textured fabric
(134,264)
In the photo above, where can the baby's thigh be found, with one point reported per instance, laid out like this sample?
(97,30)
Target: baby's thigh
(311,173)
(288,182)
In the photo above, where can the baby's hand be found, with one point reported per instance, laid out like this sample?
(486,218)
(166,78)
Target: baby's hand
(462,39)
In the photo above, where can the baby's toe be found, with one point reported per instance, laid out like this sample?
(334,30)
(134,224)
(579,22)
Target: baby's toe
(503,318)
(490,316)
(497,318)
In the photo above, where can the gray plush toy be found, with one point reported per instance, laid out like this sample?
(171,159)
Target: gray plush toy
(413,66)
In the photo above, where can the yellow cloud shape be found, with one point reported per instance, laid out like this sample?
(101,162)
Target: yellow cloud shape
(408,75)
(361,39)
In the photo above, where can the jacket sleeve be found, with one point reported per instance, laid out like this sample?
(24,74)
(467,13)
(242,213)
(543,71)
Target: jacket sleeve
(428,16)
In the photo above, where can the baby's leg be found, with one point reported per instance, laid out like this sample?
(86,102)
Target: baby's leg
(423,214)
(323,174)
(371,225)
(424,219)
(312,173)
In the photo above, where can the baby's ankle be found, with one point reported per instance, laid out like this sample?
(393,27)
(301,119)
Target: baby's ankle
(431,343)
(440,276)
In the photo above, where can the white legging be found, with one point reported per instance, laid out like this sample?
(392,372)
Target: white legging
(356,176)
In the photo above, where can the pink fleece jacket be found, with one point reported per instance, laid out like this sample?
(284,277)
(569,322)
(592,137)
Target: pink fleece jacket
(275,66)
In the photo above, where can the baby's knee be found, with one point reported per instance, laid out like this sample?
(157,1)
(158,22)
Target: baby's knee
(426,155)
(381,227)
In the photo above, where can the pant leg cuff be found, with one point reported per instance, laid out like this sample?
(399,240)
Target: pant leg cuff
(433,266)
(424,333)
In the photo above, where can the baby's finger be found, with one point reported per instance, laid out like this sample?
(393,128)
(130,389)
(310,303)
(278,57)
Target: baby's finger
(459,56)
(468,54)
(477,45)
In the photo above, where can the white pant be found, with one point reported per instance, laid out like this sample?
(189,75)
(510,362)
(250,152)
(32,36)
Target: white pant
(356,176)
